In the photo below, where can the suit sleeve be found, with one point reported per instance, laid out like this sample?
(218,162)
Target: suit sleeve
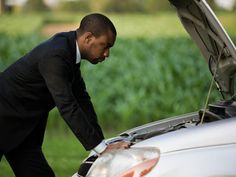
(56,72)
(83,98)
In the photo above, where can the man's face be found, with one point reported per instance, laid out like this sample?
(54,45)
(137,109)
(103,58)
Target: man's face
(98,48)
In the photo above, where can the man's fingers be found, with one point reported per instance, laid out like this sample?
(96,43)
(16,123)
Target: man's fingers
(125,144)
(119,145)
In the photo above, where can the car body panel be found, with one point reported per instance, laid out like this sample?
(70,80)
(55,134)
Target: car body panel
(210,134)
(210,161)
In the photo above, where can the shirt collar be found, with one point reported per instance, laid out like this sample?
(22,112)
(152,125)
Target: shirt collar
(78,56)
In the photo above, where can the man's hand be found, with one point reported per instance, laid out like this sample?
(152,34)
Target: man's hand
(118,145)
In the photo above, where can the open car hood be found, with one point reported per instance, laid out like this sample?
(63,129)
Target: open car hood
(215,45)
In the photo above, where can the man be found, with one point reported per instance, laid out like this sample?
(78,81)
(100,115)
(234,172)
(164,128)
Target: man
(46,77)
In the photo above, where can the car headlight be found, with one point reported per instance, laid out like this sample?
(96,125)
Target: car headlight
(125,163)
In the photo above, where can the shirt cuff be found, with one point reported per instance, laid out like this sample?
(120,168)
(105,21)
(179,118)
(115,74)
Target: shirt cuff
(100,147)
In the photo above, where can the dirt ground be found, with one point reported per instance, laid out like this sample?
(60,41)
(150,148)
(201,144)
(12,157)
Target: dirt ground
(51,29)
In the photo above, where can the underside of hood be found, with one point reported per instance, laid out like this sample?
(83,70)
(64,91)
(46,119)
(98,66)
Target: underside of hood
(215,45)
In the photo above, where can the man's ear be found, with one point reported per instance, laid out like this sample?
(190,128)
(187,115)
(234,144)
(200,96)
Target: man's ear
(88,36)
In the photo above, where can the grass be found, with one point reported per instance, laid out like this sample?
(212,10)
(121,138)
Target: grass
(228,21)
(20,24)
(144,25)
(128,25)
(148,26)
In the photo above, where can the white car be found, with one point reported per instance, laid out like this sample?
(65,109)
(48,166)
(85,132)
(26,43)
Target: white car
(198,144)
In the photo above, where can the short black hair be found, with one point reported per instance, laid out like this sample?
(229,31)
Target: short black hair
(96,23)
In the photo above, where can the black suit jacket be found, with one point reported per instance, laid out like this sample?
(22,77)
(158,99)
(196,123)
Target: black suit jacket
(46,77)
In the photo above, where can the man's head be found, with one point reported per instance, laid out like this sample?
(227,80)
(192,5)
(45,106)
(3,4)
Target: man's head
(95,36)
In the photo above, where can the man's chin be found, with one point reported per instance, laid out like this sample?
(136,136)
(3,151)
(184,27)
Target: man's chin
(96,61)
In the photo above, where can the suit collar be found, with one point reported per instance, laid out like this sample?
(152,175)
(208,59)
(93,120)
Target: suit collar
(72,43)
